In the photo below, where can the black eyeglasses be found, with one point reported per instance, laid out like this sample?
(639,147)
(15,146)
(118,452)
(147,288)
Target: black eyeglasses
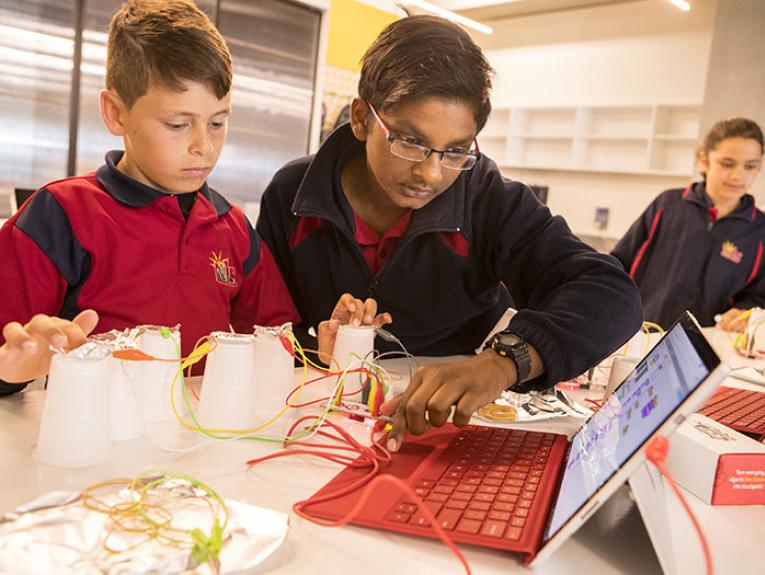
(451,159)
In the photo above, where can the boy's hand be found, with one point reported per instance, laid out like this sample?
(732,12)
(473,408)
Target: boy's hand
(466,385)
(731,320)
(26,353)
(349,310)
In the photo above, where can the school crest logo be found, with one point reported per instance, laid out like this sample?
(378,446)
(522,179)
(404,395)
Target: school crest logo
(731,252)
(224,273)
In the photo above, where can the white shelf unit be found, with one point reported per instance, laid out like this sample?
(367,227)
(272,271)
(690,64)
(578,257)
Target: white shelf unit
(626,139)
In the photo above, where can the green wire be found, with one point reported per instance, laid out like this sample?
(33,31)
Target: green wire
(166,334)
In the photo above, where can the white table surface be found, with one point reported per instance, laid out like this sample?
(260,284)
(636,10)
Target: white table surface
(613,541)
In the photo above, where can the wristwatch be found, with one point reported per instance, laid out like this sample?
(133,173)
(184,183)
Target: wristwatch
(513,346)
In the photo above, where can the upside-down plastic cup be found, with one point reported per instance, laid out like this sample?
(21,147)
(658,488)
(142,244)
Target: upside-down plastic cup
(275,375)
(75,431)
(621,367)
(124,411)
(153,380)
(352,345)
(227,400)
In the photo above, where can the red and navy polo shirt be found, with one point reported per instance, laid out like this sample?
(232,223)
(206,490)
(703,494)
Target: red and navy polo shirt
(106,242)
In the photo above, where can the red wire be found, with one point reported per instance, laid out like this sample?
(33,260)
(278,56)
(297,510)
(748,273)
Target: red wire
(596,403)
(300,505)
(368,456)
(656,452)
(347,393)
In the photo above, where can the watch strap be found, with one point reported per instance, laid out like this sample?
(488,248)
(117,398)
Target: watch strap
(518,352)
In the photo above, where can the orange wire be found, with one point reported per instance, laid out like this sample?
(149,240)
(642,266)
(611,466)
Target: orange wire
(408,491)
(702,538)
(656,452)
(368,457)
(134,354)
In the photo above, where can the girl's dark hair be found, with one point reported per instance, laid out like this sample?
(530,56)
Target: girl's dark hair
(421,56)
(731,128)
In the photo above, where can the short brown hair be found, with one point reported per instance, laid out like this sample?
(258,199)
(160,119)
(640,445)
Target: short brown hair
(164,42)
(424,55)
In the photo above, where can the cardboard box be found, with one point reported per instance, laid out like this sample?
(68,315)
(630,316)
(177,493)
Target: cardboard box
(718,465)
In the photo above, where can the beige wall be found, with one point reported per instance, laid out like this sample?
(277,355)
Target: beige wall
(645,52)
(736,79)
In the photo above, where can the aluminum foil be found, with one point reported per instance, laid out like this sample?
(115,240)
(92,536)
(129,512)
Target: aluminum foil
(228,337)
(533,406)
(128,338)
(55,533)
(101,345)
(88,350)
(275,330)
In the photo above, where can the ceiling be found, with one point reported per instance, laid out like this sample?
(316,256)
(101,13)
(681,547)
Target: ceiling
(484,10)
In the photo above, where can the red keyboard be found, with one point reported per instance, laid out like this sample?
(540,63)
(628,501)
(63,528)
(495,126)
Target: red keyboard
(738,409)
(484,483)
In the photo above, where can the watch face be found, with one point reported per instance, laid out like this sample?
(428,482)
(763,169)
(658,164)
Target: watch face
(509,339)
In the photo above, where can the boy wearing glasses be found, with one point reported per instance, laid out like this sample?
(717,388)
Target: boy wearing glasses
(401,205)
(144,239)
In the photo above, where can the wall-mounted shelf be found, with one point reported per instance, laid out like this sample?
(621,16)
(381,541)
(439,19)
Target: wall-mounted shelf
(654,140)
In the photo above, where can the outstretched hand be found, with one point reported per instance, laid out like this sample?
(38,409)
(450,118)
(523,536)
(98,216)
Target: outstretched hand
(27,353)
(349,310)
(464,385)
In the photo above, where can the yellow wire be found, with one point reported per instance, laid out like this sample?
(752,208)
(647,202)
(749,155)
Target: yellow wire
(645,328)
(146,517)
(650,324)
(299,350)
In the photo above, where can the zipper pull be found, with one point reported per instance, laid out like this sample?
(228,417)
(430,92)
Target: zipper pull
(373,285)
(712,217)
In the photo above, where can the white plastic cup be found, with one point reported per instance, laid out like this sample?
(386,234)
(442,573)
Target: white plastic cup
(75,429)
(154,379)
(621,367)
(641,343)
(227,400)
(275,369)
(352,345)
(124,412)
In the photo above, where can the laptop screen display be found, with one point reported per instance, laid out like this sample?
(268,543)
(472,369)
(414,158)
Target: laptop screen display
(649,395)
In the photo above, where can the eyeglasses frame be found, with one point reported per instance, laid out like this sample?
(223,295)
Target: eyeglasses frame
(475,152)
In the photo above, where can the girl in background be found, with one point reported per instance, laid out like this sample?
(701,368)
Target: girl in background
(701,248)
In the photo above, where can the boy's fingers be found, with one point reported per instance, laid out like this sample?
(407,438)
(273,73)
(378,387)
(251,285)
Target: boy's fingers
(397,434)
(349,310)
(389,407)
(440,404)
(326,335)
(345,305)
(17,338)
(403,419)
(44,328)
(466,407)
(369,311)
(357,317)
(87,321)
(73,333)
(421,400)
(382,319)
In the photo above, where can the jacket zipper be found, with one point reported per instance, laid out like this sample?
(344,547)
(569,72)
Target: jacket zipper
(374,279)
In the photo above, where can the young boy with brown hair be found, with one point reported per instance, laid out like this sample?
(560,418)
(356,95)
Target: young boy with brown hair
(143,239)
(401,205)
